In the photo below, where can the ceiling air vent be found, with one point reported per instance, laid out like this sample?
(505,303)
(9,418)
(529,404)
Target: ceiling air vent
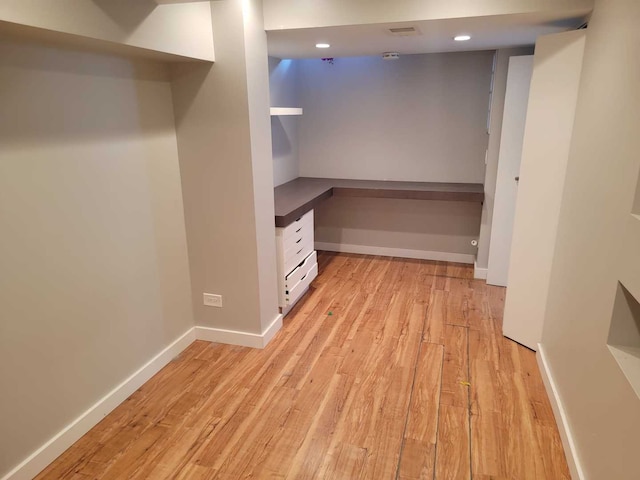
(404,31)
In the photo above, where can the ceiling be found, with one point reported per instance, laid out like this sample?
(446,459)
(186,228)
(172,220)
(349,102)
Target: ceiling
(488,33)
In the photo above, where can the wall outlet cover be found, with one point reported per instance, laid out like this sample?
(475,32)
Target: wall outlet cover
(212,300)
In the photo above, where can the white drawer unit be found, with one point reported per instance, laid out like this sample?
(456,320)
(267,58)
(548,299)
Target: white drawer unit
(296,258)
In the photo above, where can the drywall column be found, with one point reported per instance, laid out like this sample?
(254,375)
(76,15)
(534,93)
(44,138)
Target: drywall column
(545,152)
(493,150)
(224,144)
(257,73)
(597,246)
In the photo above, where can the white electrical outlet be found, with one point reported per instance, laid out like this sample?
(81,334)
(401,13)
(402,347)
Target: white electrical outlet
(212,300)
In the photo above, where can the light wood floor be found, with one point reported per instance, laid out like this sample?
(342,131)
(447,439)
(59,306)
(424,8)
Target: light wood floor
(389,368)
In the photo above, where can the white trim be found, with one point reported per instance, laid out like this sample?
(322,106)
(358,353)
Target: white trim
(244,339)
(479,273)
(271,330)
(47,453)
(275,111)
(396,252)
(573,459)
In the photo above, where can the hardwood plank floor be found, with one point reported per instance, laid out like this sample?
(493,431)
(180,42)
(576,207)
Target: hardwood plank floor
(389,368)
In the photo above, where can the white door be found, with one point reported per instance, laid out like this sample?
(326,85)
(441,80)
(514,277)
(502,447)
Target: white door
(513,121)
(547,138)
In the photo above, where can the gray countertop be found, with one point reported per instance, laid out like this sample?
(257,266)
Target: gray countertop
(293,199)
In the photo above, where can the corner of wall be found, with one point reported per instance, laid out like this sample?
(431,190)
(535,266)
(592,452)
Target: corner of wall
(562,421)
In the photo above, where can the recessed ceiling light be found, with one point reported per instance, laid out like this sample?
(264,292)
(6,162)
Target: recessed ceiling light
(462,38)
(322,45)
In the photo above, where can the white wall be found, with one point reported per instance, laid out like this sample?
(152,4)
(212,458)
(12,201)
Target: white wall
(419,118)
(286,14)
(137,23)
(545,150)
(284,86)
(94,276)
(597,246)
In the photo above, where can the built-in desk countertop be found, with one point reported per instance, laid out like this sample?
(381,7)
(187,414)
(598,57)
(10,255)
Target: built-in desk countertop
(298,196)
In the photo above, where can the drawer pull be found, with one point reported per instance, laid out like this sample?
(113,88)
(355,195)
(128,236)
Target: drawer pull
(300,250)
(298,229)
(299,240)
(305,276)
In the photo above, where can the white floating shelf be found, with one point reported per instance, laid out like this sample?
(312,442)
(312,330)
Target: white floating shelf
(285,111)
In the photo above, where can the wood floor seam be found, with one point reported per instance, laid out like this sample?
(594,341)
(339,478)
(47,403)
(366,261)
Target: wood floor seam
(435,450)
(415,371)
(469,404)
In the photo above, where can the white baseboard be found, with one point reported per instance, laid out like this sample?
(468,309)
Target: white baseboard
(479,273)
(396,252)
(244,339)
(568,443)
(51,450)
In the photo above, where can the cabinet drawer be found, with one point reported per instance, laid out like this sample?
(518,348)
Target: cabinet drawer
(295,256)
(297,291)
(297,225)
(300,271)
(298,237)
(294,248)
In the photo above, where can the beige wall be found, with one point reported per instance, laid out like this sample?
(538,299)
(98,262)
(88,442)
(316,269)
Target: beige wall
(419,118)
(138,23)
(283,87)
(547,137)
(94,275)
(227,176)
(287,14)
(415,225)
(493,148)
(598,245)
